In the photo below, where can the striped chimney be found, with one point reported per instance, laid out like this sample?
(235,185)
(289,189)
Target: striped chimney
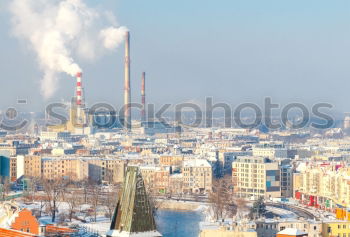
(79,92)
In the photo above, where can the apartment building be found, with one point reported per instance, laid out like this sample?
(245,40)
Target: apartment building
(171,160)
(156,178)
(287,181)
(255,177)
(54,168)
(227,157)
(197,176)
(13,168)
(270,227)
(228,228)
(105,169)
(336,228)
(32,166)
(99,169)
(270,150)
(323,185)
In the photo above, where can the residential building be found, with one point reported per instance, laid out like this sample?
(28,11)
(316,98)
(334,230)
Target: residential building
(227,157)
(197,176)
(270,150)
(15,218)
(287,181)
(291,232)
(323,184)
(228,228)
(255,177)
(156,178)
(99,169)
(171,160)
(270,227)
(336,228)
(13,168)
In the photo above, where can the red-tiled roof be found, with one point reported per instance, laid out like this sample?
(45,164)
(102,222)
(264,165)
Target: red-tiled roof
(14,233)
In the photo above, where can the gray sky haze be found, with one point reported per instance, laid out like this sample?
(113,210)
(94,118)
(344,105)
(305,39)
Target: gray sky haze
(234,50)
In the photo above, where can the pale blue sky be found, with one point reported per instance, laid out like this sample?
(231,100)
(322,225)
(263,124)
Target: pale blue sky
(234,50)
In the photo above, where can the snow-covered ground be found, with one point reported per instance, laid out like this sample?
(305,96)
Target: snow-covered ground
(101,226)
(281,212)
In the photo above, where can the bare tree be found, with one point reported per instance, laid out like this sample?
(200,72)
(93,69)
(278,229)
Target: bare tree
(95,197)
(71,195)
(33,194)
(85,186)
(42,205)
(242,206)
(221,198)
(53,190)
(32,190)
(72,200)
(110,199)
(5,187)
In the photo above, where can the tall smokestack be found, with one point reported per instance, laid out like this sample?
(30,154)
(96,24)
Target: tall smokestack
(127,94)
(143,97)
(79,101)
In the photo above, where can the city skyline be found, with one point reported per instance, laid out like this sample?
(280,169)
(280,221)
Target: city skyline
(174,118)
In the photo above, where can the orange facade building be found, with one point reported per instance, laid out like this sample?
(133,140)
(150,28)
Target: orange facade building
(26,222)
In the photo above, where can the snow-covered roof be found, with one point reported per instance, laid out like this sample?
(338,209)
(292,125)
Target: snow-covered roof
(197,163)
(292,232)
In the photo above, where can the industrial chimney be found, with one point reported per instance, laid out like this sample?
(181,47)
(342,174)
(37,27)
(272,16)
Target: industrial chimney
(127,94)
(143,97)
(79,99)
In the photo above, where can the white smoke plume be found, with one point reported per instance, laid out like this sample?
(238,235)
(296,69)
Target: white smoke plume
(57,30)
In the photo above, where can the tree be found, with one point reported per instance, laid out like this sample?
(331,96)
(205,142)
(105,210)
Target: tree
(5,187)
(85,185)
(53,190)
(95,197)
(110,199)
(32,190)
(221,198)
(42,205)
(72,199)
(71,195)
(242,207)
(258,209)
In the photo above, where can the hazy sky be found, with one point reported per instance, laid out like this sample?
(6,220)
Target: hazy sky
(235,50)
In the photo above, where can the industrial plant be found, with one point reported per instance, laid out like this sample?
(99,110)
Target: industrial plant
(83,121)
